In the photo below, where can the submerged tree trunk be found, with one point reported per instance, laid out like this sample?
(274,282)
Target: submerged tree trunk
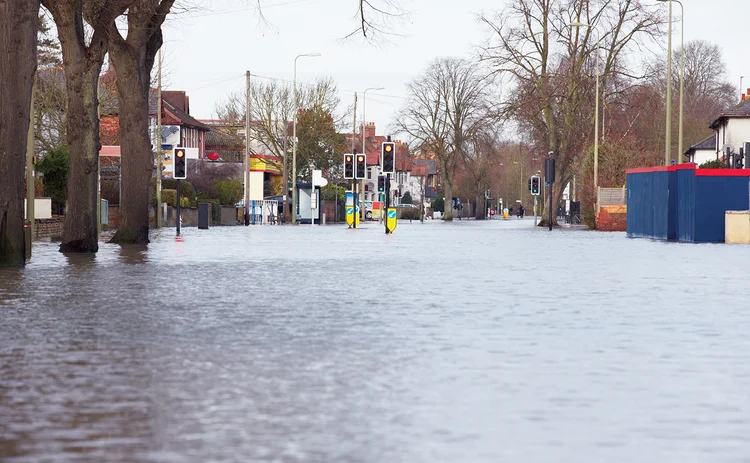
(557,191)
(448,202)
(82,66)
(18,29)
(133,58)
(136,155)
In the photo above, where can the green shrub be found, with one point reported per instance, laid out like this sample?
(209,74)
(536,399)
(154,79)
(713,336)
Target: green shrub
(713,164)
(186,190)
(228,192)
(589,218)
(169,197)
(438,205)
(55,166)
(410,213)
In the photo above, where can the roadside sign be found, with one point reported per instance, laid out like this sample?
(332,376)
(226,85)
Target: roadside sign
(390,221)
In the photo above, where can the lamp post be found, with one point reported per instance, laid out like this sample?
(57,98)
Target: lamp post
(364,146)
(596,107)
(682,72)
(294,140)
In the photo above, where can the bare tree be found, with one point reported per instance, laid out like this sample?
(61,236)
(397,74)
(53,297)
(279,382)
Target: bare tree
(133,59)
(552,65)
(446,110)
(18,36)
(82,63)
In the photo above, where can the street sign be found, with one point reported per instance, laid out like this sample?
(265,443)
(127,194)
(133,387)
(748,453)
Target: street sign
(390,221)
(317,178)
(314,200)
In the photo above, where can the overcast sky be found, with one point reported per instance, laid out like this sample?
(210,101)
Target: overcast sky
(207,52)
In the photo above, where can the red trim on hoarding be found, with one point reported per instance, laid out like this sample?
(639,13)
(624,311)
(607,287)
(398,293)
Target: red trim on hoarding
(722,173)
(686,166)
(646,170)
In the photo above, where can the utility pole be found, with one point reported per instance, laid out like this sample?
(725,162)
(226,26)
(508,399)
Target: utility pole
(246,163)
(668,134)
(354,134)
(285,175)
(158,147)
(30,174)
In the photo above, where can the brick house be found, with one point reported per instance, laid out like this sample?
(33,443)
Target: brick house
(179,128)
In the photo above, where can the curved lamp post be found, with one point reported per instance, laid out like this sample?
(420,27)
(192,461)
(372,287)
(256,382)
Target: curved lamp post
(294,139)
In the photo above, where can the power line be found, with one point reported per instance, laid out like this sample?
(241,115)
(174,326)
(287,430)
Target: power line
(251,8)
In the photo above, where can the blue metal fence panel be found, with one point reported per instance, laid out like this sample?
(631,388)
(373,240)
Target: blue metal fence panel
(714,195)
(686,205)
(660,192)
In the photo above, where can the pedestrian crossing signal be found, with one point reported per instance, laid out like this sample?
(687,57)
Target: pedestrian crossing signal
(535,184)
(180,163)
(348,166)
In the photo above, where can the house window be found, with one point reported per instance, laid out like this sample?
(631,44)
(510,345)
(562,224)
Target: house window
(369,173)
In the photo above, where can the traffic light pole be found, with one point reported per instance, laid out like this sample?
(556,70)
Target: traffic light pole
(550,207)
(178,207)
(356,204)
(387,199)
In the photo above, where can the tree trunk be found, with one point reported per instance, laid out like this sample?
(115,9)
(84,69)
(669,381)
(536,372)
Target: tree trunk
(557,191)
(18,38)
(136,156)
(448,202)
(82,65)
(80,232)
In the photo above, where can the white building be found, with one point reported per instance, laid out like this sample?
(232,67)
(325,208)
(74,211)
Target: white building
(732,129)
(703,151)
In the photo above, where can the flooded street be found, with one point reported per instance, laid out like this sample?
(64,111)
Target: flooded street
(464,342)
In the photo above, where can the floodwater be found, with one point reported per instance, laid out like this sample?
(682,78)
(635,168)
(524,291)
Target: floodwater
(464,342)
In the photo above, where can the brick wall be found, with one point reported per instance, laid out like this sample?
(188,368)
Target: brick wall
(49,227)
(612,218)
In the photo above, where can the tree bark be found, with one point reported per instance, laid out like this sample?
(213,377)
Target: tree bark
(133,59)
(18,39)
(136,155)
(448,203)
(82,65)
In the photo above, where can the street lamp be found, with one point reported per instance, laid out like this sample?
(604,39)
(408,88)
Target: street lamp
(294,137)
(596,107)
(364,146)
(668,134)
(682,70)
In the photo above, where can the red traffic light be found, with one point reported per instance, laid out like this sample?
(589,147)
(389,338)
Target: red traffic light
(360,158)
(348,158)
(180,153)
(388,148)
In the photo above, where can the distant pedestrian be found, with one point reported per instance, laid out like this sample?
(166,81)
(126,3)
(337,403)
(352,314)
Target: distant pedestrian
(521,211)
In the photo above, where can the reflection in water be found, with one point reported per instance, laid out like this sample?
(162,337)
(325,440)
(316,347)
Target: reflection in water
(133,253)
(463,342)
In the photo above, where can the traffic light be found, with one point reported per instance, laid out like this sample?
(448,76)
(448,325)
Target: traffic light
(180,160)
(361,166)
(738,159)
(348,166)
(381,183)
(535,184)
(529,184)
(389,157)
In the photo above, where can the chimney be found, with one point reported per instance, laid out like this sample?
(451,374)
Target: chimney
(370,130)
